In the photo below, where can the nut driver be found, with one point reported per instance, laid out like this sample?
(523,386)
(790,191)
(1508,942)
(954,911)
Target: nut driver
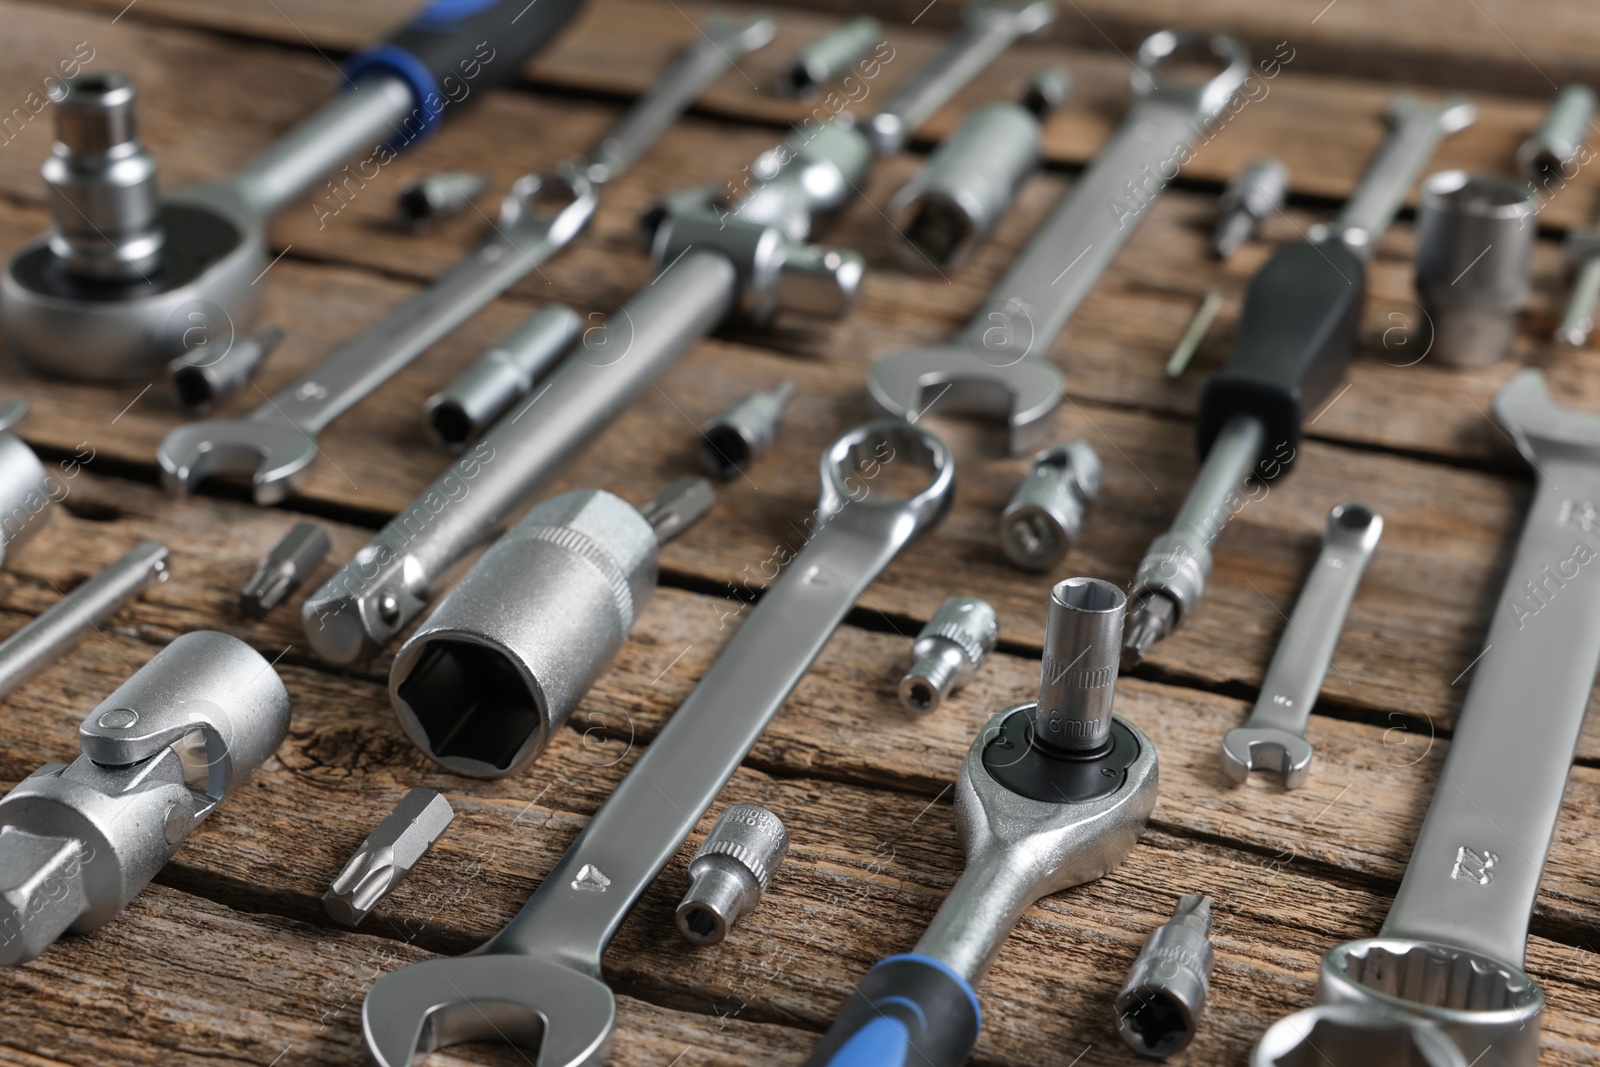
(1052,794)
(63,314)
(1447,963)
(538,982)
(996,367)
(1297,333)
(277,443)
(754,257)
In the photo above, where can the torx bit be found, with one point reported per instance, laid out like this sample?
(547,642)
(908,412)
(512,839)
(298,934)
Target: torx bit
(1159,1007)
(387,855)
(280,573)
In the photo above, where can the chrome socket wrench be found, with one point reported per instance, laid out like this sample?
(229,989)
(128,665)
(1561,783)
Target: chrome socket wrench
(739,436)
(996,368)
(1034,820)
(277,444)
(63,624)
(78,842)
(712,261)
(543,971)
(1448,960)
(1274,737)
(26,489)
(500,665)
(117,289)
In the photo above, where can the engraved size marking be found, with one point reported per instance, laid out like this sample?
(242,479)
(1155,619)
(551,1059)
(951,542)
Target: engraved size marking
(1283,701)
(1474,866)
(591,879)
(311,391)
(1078,678)
(1579,514)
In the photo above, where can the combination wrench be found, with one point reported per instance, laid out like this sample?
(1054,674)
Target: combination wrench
(277,443)
(1443,985)
(127,276)
(997,367)
(714,259)
(541,975)
(1274,737)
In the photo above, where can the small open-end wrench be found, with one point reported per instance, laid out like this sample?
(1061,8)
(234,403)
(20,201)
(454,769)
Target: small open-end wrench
(1040,809)
(538,982)
(754,256)
(277,444)
(996,367)
(1274,737)
(210,241)
(1297,334)
(1449,957)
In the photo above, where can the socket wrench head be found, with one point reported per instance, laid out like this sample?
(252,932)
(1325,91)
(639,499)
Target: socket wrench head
(732,441)
(200,379)
(1082,651)
(730,872)
(1475,237)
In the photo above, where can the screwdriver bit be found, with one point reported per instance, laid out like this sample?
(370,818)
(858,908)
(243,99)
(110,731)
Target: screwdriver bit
(280,573)
(387,855)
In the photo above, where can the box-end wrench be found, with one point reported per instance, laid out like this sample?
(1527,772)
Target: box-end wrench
(1449,957)
(751,256)
(538,982)
(1036,817)
(210,241)
(26,489)
(1274,737)
(276,444)
(997,366)
(1297,334)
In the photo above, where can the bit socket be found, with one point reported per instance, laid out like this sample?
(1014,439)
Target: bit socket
(1252,195)
(468,406)
(730,871)
(1042,521)
(1550,156)
(439,196)
(829,56)
(1078,679)
(280,573)
(948,652)
(736,438)
(200,379)
(1159,1008)
(387,855)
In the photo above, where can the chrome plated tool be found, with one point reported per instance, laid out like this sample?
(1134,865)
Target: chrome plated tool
(1159,1008)
(27,491)
(387,855)
(731,871)
(277,443)
(78,842)
(128,278)
(828,57)
(542,972)
(948,652)
(1296,336)
(1254,193)
(996,367)
(439,196)
(283,570)
(1448,960)
(734,439)
(1274,737)
(211,372)
(1550,156)
(460,413)
(1042,520)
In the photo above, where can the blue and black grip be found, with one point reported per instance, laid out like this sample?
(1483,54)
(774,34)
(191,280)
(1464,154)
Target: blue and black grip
(454,49)
(1297,334)
(909,1011)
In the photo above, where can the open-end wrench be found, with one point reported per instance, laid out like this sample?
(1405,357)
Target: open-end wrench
(538,982)
(752,256)
(1274,737)
(996,367)
(1297,334)
(277,443)
(1040,809)
(200,250)
(1449,957)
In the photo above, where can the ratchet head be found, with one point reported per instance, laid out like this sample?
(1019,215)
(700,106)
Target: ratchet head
(276,457)
(534,1003)
(989,377)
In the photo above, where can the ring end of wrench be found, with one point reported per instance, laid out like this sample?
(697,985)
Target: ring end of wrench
(1256,748)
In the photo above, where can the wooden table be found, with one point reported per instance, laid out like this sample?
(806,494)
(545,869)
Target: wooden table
(228,956)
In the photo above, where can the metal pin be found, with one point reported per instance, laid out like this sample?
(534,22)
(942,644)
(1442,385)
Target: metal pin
(1204,316)
(1254,193)
(1159,1008)
(730,871)
(948,652)
(280,573)
(200,380)
(387,855)
(736,438)
(439,196)
(826,58)
(1583,251)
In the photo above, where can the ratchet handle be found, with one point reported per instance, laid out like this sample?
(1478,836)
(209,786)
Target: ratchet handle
(453,48)
(909,1011)
(1297,334)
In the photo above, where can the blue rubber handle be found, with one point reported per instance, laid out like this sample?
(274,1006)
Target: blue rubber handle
(909,1011)
(452,50)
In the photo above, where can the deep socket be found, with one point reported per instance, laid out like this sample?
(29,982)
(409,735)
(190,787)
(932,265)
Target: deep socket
(1077,682)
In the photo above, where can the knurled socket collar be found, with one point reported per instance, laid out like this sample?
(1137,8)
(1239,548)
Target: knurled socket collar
(730,871)
(948,652)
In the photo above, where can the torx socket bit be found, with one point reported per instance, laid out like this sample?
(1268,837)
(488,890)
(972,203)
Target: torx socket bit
(730,871)
(200,379)
(1160,1005)
(948,652)
(1254,193)
(439,196)
(1039,525)
(387,855)
(280,573)
(1078,679)
(733,440)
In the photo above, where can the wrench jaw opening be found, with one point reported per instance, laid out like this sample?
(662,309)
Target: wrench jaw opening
(567,1015)
(1020,391)
(277,459)
(1246,749)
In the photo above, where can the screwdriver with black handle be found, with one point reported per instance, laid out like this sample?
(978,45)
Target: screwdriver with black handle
(1297,334)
